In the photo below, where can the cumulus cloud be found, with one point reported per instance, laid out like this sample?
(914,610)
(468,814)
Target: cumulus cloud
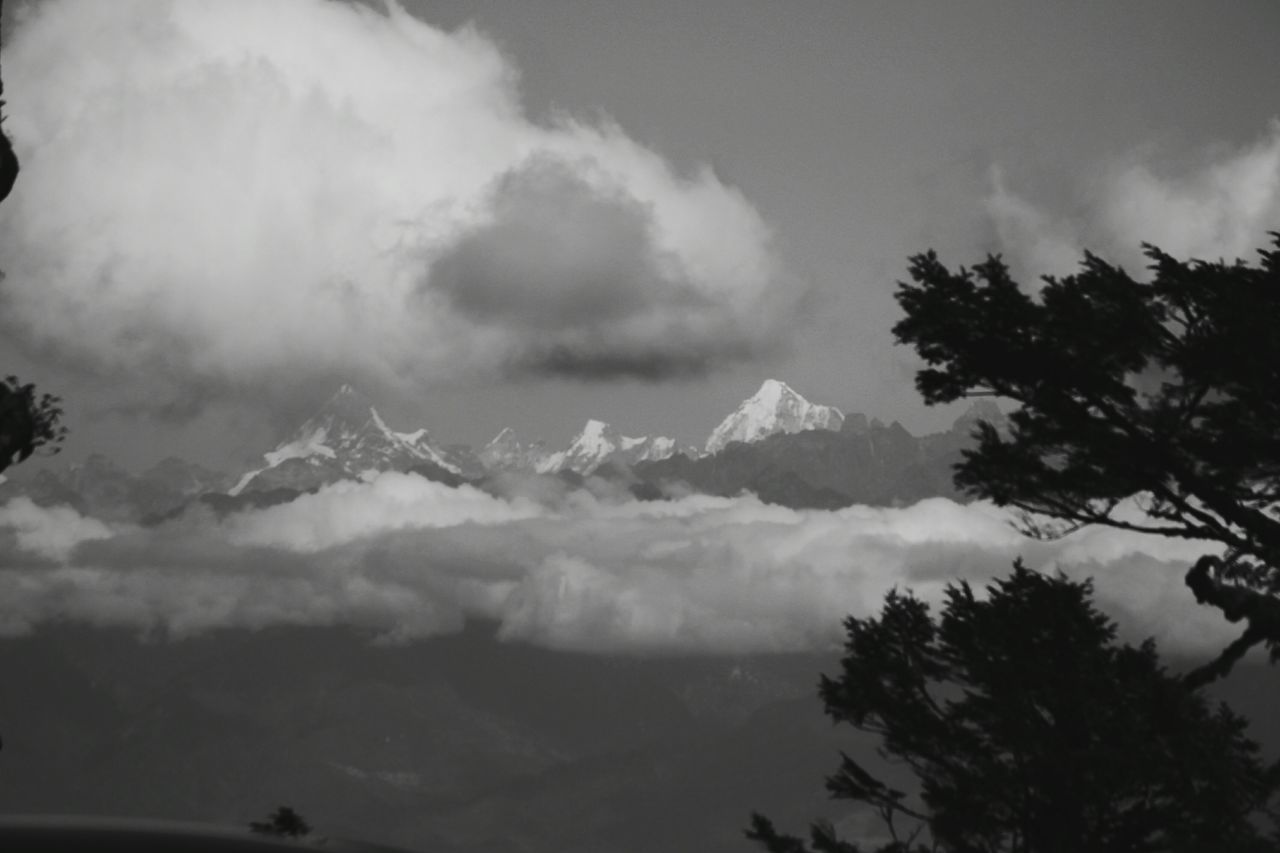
(228,193)
(1220,206)
(410,558)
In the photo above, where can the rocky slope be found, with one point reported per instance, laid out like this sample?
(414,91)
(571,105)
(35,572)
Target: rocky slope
(861,463)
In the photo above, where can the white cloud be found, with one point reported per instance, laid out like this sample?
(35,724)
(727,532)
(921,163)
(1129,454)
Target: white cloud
(1220,206)
(49,533)
(411,558)
(231,192)
(348,510)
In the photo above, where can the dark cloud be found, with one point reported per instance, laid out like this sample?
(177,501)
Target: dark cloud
(572,272)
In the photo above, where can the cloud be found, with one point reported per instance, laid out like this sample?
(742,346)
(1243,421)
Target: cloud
(1220,206)
(233,193)
(50,533)
(410,558)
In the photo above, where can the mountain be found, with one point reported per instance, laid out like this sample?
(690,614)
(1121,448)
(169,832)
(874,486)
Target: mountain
(864,462)
(101,488)
(346,439)
(507,452)
(777,445)
(598,442)
(775,408)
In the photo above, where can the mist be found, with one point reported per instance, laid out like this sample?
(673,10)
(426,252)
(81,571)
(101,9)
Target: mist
(409,558)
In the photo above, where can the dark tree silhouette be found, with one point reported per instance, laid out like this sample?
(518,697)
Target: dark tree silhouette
(284,822)
(8,159)
(1031,730)
(28,422)
(1167,390)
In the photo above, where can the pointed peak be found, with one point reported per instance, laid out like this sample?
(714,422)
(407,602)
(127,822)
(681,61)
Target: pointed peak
(348,402)
(775,389)
(776,407)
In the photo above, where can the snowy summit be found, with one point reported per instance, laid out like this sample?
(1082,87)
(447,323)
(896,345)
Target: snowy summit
(599,442)
(345,439)
(775,408)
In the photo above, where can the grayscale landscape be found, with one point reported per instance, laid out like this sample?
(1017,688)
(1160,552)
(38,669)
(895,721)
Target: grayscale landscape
(567,427)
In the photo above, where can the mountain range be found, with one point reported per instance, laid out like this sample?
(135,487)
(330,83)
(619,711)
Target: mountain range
(775,444)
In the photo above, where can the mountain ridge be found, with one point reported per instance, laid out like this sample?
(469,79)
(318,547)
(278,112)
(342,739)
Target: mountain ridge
(787,450)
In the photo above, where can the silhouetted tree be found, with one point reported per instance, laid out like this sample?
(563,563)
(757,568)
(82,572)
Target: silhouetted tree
(28,422)
(1167,390)
(8,159)
(1030,729)
(283,822)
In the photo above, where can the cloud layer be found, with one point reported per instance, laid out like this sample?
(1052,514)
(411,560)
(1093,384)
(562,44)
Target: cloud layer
(1220,206)
(410,558)
(241,191)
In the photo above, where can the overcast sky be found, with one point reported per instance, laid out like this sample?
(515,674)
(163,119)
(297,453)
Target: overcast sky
(532,213)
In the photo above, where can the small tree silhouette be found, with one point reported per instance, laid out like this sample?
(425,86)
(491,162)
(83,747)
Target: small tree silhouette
(284,822)
(28,422)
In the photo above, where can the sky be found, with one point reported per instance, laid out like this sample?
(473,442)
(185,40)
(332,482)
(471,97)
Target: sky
(531,214)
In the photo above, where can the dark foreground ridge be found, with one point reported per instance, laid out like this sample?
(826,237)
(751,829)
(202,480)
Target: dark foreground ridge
(72,833)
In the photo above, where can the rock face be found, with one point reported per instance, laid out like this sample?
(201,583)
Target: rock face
(775,408)
(346,439)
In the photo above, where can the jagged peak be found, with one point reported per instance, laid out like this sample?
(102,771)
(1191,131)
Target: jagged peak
(775,407)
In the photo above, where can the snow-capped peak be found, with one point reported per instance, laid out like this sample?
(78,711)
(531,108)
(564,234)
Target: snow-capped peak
(506,451)
(346,437)
(776,407)
(599,442)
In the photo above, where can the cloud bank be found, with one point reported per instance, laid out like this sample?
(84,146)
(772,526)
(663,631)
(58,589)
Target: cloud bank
(409,558)
(231,193)
(1220,206)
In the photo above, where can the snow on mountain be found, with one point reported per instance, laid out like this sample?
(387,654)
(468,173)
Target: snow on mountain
(598,442)
(347,438)
(776,407)
(506,451)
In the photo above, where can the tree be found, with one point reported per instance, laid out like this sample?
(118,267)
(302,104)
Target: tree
(28,422)
(8,159)
(1166,391)
(284,822)
(1031,730)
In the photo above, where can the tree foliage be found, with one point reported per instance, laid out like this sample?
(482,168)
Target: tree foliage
(1030,729)
(284,822)
(1166,390)
(28,422)
(8,159)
